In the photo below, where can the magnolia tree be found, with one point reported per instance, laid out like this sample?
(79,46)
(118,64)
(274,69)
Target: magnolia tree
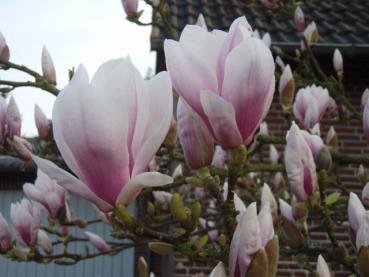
(208,194)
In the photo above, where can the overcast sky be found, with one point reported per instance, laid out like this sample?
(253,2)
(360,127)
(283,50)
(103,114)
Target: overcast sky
(74,31)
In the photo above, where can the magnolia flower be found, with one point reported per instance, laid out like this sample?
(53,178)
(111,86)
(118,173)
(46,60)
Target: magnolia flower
(107,132)
(97,241)
(322,268)
(238,204)
(267,39)
(195,138)
(162,197)
(252,234)
(273,154)
(300,166)
(130,6)
(280,63)
(44,241)
(310,105)
(314,142)
(286,211)
(278,180)
(364,98)
(14,119)
(263,128)
(337,60)
(42,123)
(5,235)
(286,87)
(362,236)
(3,119)
(311,35)
(366,120)
(355,211)
(47,193)
(206,71)
(331,139)
(365,194)
(201,22)
(26,219)
(48,69)
(299,19)
(4,49)
(218,271)
(267,198)
(332,108)
(23,148)
(219,157)
(245,243)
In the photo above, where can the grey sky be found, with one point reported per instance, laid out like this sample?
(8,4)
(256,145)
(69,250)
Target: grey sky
(74,31)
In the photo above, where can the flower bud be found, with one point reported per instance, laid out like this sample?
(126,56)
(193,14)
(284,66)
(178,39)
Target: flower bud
(5,235)
(4,49)
(195,138)
(14,118)
(366,120)
(161,248)
(23,148)
(219,158)
(178,209)
(280,63)
(337,60)
(323,159)
(162,197)
(355,211)
(299,19)
(322,269)
(45,242)
(256,34)
(286,87)
(273,154)
(263,128)
(267,198)
(97,241)
(365,195)
(142,268)
(3,120)
(42,123)
(26,219)
(364,98)
(267,39)
(314,142)
(201,22)
(332,108)
(311,35)
(124,214)
(48,193)
(332,139)
(218,271)
(130,7)
(278,180)
(362,174)
(48,69)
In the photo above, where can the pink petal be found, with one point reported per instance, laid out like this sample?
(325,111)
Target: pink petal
(90,126)
(158,117)
(249,85)
(222,119)
(71,183)
(196,140)
(140,181)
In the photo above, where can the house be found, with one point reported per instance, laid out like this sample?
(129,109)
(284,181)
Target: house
(342,24)
(13,174)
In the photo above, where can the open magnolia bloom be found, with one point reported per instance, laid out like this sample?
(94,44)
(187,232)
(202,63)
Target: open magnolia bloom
(108,131)
(227,78)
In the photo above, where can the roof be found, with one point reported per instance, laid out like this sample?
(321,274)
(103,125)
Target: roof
(342,24)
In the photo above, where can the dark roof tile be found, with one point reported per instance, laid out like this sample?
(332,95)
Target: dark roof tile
(344,22)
